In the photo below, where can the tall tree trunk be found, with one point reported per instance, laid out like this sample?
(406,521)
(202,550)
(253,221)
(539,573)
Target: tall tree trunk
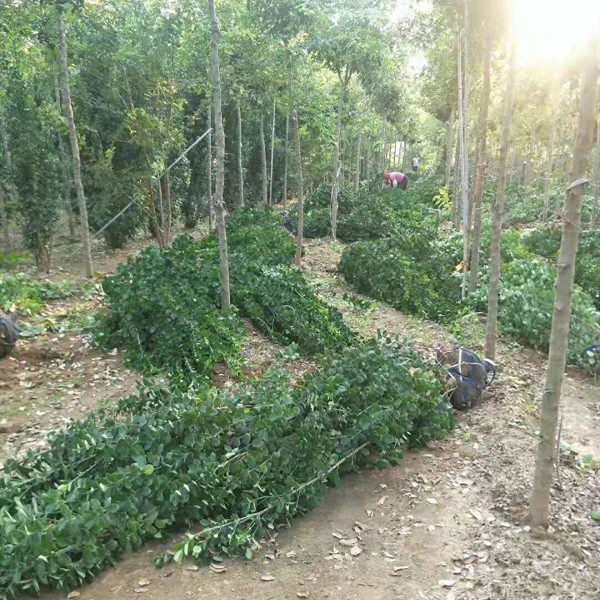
(456,183)
(66,96)
(7,188)
(287,138)
(335,174)
(358,157)
(220,143)
(64,166)
(169,217)
(549,170)
(496,250)
(4,241)
(210,168)
(285,155)
(368,153)
(263,163)
(559,335)
(272,156)
(240,167)
(298,258)
(449,147)
(464,173)
(480,165)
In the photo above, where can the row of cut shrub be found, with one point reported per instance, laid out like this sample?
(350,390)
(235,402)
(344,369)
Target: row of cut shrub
(233,462)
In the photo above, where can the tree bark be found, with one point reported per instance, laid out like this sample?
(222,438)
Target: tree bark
(456,183)
(4,237)
(335,174)
(559,335)
(298,259)
(285,157)
(496,250)
(358,157)
(464,173)
(66,96)
(64,166)
(263,163)
(240,167)
(220,143)
(481,165)
(272,156)
(210,168)
(449,146)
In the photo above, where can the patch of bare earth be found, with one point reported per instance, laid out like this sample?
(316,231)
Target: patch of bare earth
(448,523)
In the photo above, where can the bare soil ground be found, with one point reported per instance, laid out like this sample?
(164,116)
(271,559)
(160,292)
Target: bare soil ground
(448,523)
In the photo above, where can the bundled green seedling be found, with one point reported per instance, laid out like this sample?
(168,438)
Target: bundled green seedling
(230,463)
(161,307)
(409,271)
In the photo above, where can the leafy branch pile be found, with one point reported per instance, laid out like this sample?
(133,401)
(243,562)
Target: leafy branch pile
(232,463)
(163,304)
(161,309)
(411,271)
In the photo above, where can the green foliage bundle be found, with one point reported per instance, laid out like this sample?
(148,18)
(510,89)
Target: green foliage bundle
(161,308)
(275,296)
(527,304)
(26,295)
(255,237)
(408,271)
(233,463)
(284,305)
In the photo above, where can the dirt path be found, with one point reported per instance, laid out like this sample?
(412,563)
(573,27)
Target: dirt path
(445,524)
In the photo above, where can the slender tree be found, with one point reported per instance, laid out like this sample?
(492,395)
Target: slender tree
(66,97)
(286,141)
(335,173)
(559,335)
(263,163)
(272,156)
(358,157)
(480,164)
(239,157)
(4,184)
(449,146)
(220,146)
(64,166)
(496,250)
(210,166)
(298,258)
(463,157)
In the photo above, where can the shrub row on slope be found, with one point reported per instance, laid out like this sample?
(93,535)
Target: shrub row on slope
(545,241)
(368,214)
(527,304)
(408,271)
(232,463)
(420,278)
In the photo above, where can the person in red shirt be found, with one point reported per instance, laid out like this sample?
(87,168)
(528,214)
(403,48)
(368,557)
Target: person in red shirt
(396,179)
